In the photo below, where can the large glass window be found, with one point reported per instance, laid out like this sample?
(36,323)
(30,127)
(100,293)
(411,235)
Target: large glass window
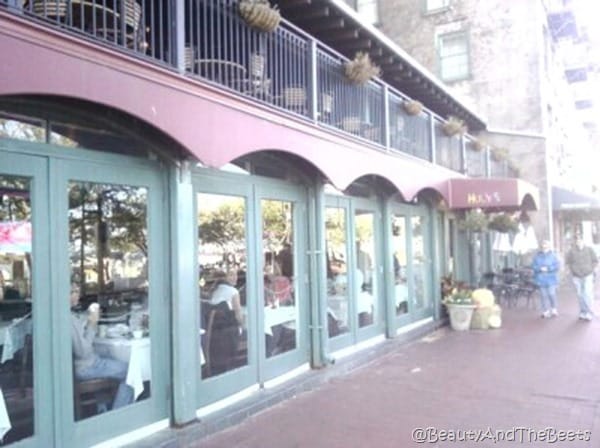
(365,275)
(281,309)
(337,271)
(454,56)
(400,261)
(16,361)
(108,241)
(223,267)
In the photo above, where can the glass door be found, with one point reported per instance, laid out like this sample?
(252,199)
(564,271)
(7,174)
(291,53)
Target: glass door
(25,356)
(226,286)
(355,309)
(111,265)
(283,311)
(368,268)
(252,282)
(411,256)
(340,324)
(421,263)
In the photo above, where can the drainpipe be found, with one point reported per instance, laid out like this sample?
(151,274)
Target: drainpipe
(318,283)
(185,307)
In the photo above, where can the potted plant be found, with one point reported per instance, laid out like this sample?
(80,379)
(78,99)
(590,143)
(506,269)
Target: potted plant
(474,221)
(454,126)
(460,305)
(361,69)
(503,223)
(413,107)
(259,14)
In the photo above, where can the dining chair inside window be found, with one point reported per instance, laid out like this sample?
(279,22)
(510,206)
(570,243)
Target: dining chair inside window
(90,396)
(221,339)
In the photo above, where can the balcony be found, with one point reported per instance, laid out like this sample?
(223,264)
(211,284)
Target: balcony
(285,70)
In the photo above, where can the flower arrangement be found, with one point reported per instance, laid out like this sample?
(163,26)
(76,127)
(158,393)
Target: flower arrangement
(503,223)
(361,69)
(454,126)
(413,107)
(259,14)
(460,295)
(475,221)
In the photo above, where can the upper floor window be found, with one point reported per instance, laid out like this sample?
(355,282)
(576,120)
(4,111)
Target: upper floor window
(436,5)
(453,52)
(368,10)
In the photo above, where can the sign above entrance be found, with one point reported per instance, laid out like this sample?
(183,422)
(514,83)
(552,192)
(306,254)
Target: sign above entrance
(492,193)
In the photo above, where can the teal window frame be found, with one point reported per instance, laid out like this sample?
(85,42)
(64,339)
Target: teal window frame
(441,58)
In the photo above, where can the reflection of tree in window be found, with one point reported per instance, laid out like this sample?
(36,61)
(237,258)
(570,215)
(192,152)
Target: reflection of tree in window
(107,222)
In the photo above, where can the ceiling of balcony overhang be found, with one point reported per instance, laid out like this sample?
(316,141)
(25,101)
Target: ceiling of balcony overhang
(329,23)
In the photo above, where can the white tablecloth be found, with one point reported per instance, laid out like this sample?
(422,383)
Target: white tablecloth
(135,352)
(13,337)
(5,424)
(279,316)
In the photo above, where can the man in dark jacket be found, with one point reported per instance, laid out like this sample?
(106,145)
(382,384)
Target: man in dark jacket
(582,262)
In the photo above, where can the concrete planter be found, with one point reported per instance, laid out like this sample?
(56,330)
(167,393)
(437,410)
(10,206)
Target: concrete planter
(460,316)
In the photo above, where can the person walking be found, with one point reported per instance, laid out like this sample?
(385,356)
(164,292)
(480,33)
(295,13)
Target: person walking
(582,262)
(545,266)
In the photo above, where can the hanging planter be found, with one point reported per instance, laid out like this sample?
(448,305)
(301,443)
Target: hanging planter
(454,126)
(259,14)
(474,221)
(503,223)
(499,154)
(479,145)
(361,69)
(413,107)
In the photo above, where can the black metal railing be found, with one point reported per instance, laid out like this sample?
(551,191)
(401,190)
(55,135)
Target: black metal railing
(273,68)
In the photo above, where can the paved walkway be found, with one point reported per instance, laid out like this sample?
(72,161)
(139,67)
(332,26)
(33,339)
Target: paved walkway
(530,375)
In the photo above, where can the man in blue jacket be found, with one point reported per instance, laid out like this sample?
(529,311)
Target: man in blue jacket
(545,267)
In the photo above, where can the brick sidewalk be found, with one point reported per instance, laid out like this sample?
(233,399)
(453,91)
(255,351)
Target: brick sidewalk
(532,373)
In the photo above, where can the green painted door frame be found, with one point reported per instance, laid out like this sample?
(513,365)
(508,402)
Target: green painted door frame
(51,169)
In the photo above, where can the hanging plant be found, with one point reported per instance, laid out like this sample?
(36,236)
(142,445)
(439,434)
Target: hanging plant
(503,223)
(479,144)
(499,154)
(454,126)
(259,14)
(475,221)
(413,107)
(361,69)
